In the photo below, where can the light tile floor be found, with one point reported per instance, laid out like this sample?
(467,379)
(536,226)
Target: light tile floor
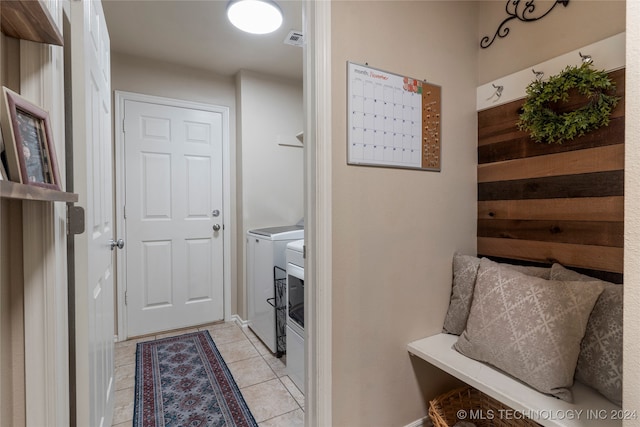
(272,397)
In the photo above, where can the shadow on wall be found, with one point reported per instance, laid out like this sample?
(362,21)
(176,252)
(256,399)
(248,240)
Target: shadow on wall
(432,381)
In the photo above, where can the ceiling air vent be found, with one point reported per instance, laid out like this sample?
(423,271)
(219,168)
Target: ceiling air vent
(294,38)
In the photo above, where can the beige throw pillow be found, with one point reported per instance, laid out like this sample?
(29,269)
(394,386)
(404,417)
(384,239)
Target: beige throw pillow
(465,270)
(600,360)
(528,327)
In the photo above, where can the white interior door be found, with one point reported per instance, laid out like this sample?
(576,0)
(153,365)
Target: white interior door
(92,167)
(174,216)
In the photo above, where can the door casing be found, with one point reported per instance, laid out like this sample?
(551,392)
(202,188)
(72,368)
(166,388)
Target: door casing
(120,98)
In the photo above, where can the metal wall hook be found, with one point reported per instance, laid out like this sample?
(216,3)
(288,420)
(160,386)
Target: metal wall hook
(538,74)
(497,93)
(586,59)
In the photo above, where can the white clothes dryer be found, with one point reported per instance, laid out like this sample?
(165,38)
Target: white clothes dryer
(266,250)
(295,313)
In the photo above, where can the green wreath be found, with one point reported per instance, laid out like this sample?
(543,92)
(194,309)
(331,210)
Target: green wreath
(545,125)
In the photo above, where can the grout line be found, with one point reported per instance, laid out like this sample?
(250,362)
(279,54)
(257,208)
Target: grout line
(277,377)
(294,410)
(294,399)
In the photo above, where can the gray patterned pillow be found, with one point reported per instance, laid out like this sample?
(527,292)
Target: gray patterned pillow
(528,327)
(600,361)
(465,270)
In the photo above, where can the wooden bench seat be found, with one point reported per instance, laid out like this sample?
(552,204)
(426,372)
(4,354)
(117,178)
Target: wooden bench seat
(590,408)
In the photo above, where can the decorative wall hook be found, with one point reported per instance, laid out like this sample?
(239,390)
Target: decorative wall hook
(539,74)
(497,93)
(522,10)
(586,59)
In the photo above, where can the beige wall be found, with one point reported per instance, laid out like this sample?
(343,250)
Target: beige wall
(564,29)
(395,231)
(631,356)
(271,176)
(133,74)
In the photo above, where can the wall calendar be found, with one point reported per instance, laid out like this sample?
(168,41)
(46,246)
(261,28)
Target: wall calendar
(393,120)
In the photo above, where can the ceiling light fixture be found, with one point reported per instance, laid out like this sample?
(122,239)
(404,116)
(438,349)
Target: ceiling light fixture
(255,16)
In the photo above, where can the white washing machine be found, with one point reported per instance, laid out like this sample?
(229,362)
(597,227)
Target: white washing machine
(295,313)
(266,250)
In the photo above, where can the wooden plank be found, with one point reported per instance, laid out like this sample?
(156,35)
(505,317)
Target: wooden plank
(619,78)
(598,233)
(495,121)
(598,184)
(607,276)
(521,145)
(503,119)
(509,130)
(512,133)
(571,255)
(578,209)
(598,159)
(502,133)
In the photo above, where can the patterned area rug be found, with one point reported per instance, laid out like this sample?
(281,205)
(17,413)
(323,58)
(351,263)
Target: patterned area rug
(183,381)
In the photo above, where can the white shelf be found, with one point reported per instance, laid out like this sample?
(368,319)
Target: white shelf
(14,190)
(29,20)
(590,408)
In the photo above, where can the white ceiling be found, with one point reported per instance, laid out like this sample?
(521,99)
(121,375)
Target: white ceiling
(196,33)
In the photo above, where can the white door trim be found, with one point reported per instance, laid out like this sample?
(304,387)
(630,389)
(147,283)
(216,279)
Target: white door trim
(120,98)
(318,211)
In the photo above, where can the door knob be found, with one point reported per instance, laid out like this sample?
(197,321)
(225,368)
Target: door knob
(216,227)
(116,243)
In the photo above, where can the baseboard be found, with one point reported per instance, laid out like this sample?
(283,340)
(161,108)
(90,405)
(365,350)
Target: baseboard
(239,321)
(422,422)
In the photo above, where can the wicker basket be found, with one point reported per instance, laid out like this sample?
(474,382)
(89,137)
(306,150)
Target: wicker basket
(475,407)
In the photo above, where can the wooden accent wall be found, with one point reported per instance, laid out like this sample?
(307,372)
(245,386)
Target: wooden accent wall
(549,203)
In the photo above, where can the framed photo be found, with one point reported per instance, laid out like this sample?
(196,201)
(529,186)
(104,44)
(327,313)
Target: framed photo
(30,151)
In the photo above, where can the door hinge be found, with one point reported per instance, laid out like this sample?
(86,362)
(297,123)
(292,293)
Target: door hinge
(125,297)
(124,211)
(123,125)
(304,251)
(75,220)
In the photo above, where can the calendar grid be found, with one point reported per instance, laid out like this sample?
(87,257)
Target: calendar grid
(394,121)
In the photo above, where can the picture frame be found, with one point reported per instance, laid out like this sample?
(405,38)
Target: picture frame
(29,147)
